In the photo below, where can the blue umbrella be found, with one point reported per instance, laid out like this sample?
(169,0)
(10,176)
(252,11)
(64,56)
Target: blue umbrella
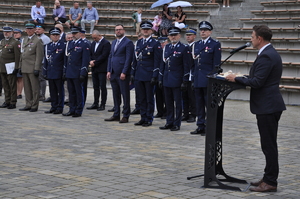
(159,3)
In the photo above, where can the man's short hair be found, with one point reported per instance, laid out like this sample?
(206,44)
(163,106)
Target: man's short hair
(96,32)
(120,25)
(263,31)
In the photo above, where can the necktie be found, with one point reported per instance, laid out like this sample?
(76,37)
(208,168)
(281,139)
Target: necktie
(144,41)
(116,46)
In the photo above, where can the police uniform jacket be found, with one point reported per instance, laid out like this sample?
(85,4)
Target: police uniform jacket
(77,59)
(206,57)
(32,54)
(9,52)
(54,60)
(175,65)
(147,58)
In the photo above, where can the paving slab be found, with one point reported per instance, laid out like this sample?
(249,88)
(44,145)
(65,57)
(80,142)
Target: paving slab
(52,156)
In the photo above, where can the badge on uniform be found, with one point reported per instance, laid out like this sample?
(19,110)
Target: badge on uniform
(206,49)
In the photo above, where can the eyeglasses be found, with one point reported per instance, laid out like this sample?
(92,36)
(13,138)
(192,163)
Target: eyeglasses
(118,29)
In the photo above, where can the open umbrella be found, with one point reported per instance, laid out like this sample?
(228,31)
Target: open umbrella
(159,3)
(180,3)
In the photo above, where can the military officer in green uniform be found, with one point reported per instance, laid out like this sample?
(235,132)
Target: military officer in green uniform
(32,49)
(9,57)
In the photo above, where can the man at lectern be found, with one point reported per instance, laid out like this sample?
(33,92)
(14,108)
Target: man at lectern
(266,102)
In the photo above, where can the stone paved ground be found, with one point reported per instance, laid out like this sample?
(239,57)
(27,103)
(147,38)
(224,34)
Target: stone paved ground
(51,156)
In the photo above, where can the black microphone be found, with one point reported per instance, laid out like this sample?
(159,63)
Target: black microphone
(240,48)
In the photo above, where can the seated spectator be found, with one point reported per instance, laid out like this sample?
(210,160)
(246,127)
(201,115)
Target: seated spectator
(166,20)
(212,1)
(90,15)
(137,19)
(156,22)
(75,14)
(38,13)
(59,13)
(226,2)
(179,18)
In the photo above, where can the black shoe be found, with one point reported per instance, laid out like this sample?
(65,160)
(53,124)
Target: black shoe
(42,99)
(25,109)
(158,115)
(50,111)
(68,114)
(175,128)
(4,105)
(139,123)
(167,126)
(76,115)
(146,124)
(191,119)
(19,97)
(135,112)
(198,131)
(33,110)
(185,118)
(111,110)
(101,108)
(47,100)
(94,106)
(57,112)
(11,106)
(66,102)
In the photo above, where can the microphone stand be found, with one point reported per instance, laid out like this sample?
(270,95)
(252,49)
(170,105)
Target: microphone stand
(218,68)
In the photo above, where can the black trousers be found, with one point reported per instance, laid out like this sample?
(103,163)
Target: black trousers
(99,85)
(56,87)
(121,88)
(188,98)
(173,105)
(268,127)
(160,100)
(62,20)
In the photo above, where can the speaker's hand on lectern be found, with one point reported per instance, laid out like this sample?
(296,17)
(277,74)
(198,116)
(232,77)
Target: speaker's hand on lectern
(231,77)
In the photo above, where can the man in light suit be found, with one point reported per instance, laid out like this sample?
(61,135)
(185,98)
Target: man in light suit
(118,72)
(32,49)
(266,102)
(99,52)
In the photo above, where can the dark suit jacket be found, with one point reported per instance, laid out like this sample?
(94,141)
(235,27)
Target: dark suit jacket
(119,61)
(100,56)
(264,78)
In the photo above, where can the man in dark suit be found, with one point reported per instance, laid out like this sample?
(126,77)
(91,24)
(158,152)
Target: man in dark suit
(145,69)
(99,52)
(118,72)
(266,102)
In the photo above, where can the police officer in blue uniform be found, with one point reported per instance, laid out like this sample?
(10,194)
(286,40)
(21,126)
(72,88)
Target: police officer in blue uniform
(206,54)
(174,75)
(145,70)
(53,70)
(77,58)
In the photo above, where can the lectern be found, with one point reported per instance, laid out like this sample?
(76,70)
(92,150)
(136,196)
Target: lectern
(217,91)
